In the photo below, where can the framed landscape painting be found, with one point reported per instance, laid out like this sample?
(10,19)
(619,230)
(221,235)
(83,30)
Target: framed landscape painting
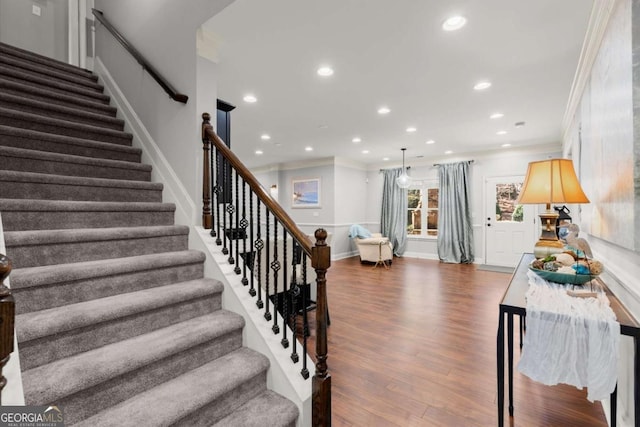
(306,193)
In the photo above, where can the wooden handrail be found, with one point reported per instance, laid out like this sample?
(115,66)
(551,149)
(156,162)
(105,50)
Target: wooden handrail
(7,319)
(141,60)
(265,197)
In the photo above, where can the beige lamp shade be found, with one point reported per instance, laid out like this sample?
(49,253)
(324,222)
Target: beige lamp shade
(551,181)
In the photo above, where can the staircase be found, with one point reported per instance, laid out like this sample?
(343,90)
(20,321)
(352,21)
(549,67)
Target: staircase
(115,321)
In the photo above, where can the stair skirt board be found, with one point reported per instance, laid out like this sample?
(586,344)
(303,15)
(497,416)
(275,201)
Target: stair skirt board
(115,319)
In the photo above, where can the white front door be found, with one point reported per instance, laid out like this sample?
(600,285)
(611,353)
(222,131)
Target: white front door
(509,228)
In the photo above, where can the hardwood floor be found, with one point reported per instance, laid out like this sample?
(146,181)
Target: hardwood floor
(415,345)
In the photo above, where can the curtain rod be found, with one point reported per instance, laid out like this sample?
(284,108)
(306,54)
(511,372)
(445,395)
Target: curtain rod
(382,170)
(438,164)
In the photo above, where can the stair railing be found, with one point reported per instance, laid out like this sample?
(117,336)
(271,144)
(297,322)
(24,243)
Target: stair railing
(278,259)
(174,94)
(7,319)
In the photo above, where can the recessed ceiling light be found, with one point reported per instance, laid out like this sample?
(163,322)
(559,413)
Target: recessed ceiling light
(501,132)
(454,23)
(265,137)
(506,145)
(448,152)
(323,126)
(250,98)
(258,152)
(325,71)
(308,148)
(411,129)
(386,159)
(496,116)
(278,144)
(356,140)
(482,85)
(384,110)
(365,151)
(519,124)
(429,142)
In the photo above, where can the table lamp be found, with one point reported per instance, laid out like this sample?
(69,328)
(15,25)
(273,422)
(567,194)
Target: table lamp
(550,181)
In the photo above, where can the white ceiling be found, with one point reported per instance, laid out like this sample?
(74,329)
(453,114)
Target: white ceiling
(395,53)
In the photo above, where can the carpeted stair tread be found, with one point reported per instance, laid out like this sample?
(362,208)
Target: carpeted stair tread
(23,278)
(9,50)
(176,399)
(266,409)
(50,73)
(43,186)
(26,160)
(44,323)
(51,97)
(29,214)
(9,117)
(46,109)
(42,247)
(35,140)
(53,381)
(9,73)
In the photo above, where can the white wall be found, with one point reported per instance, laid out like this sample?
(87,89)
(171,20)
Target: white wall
(164,32)
(605,92)
(46,34)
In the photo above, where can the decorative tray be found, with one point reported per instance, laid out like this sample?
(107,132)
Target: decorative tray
(573,279)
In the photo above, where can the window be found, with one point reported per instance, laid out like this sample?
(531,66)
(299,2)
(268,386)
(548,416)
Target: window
(419,213)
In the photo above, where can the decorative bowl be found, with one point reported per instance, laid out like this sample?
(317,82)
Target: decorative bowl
(573,279)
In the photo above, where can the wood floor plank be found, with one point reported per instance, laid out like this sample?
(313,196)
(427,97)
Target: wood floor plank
(415,346)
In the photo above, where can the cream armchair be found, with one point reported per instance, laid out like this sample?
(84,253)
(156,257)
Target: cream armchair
(374,248)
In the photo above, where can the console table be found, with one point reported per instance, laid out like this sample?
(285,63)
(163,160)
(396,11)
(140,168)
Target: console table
(513,303)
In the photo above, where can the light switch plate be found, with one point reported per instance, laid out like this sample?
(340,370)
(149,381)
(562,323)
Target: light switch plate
(36,10)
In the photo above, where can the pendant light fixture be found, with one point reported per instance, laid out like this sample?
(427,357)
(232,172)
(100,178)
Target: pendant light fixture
(404,180)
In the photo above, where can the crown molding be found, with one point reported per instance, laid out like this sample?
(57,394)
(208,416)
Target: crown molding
(600,14)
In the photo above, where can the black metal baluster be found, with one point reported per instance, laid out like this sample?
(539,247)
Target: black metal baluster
(213,188)
(305,320)
(217,190)
(231,209)
(285,292)
(267,313)
(295,291)
(244,224)
(236,233)
(252,289)
(223,191)
(275,266)
(259,247)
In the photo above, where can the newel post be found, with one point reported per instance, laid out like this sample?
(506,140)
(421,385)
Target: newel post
(321,387)
(7,319)
(207,217)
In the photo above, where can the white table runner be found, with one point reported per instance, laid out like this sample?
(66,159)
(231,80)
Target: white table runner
(570,340)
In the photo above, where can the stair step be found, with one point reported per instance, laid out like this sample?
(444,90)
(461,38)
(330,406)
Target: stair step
(34,140)
(48,247)
(25,160)
(40,60)
(89,382)
(46,109)
(199,397)
(50,73)
(56,333)
(28,185)
(25,214)
(54,98)
(15,118)
(41,288)
(63,88)
(266,409)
